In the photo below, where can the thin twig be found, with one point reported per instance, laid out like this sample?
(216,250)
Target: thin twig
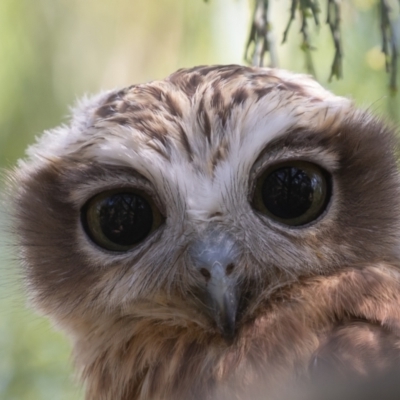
(389,44)
(259,35)
(333,20)
(293,8)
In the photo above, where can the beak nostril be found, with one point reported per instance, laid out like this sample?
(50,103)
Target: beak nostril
(206,273)
(229,268)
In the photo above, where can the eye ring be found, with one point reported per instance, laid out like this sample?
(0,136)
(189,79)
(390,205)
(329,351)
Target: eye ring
(294,193)
(120,219)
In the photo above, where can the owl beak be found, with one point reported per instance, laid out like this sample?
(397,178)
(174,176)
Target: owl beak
(214,258)
(222,300)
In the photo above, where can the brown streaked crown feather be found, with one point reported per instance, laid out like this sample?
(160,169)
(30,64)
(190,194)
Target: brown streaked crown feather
(325,296)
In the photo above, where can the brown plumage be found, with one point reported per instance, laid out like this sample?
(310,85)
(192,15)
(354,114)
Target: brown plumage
(221,234)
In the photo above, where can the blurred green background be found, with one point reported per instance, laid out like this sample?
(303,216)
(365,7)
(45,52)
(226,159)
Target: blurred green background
(54,51)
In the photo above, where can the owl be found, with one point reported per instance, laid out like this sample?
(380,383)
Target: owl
(221,234)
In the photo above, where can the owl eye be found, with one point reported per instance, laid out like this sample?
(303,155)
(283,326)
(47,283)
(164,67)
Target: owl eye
(294,193)
(119,220)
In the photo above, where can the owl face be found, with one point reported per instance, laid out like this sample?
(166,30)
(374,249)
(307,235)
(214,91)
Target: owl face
(191,201)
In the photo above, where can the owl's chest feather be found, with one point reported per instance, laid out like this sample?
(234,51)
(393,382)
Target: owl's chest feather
(341,324)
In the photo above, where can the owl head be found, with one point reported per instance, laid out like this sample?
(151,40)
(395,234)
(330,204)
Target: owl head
(182,208)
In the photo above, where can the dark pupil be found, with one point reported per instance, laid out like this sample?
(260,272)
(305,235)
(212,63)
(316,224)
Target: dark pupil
(288,192)
(125,219)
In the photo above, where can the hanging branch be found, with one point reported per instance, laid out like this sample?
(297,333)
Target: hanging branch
(308,8)
(333,20)
(259,38)
(390,44)
(260,30)
(293,8)
(259,42)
